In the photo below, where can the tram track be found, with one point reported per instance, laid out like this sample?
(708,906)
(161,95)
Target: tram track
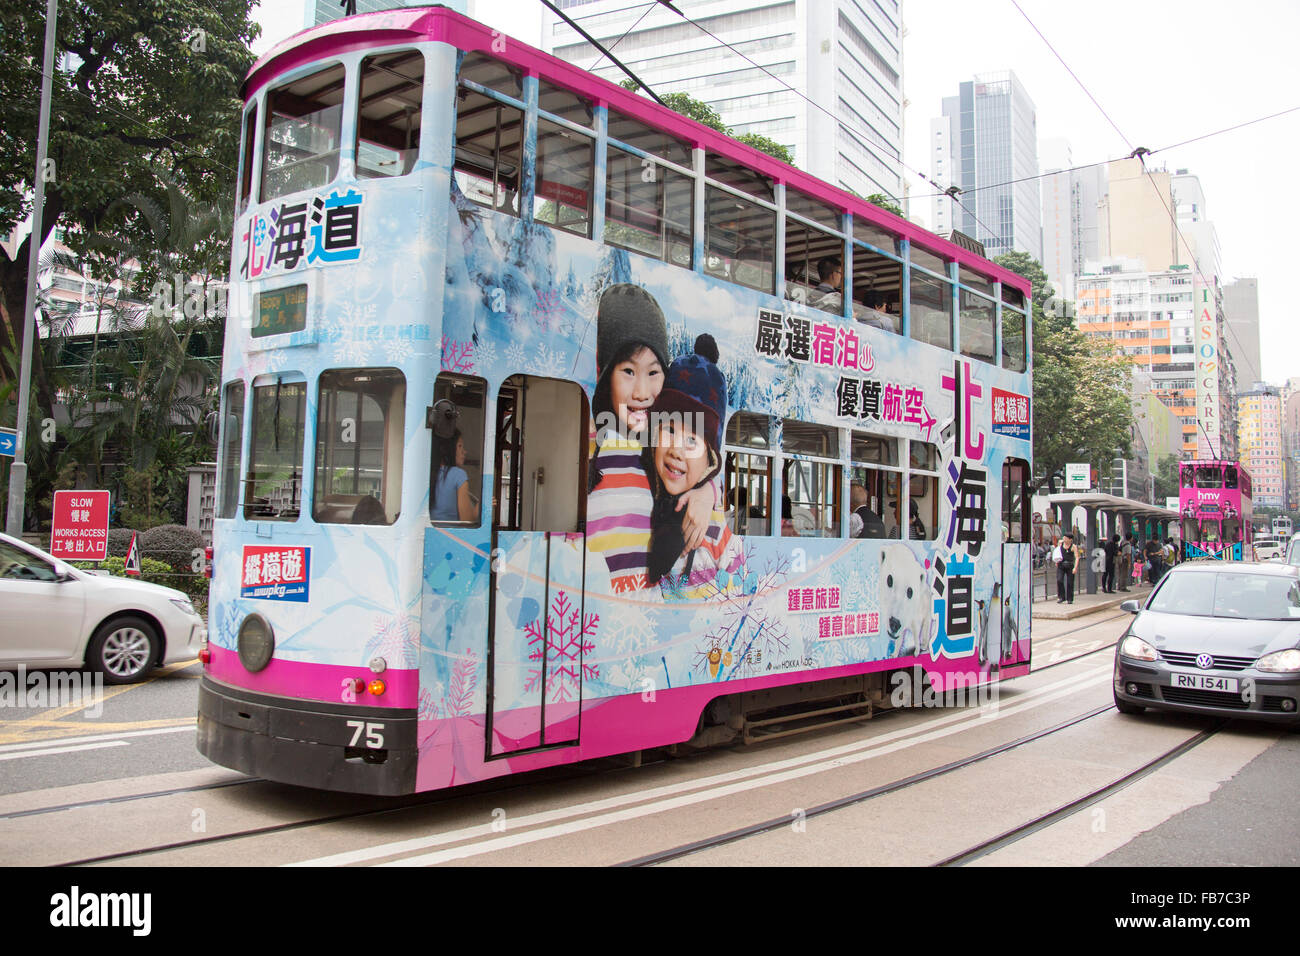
(1046,820)
(420,801)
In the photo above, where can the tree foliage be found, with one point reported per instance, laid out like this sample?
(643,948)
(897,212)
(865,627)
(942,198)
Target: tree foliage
(884,202)
(1082,406)
(702,112)
(1166,478)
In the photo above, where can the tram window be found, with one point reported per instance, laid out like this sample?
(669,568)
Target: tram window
(650,217)
(232,448)
(812,484)
(875,471)
(1013,296)
(1185,474)
(360,435)
(388,124)
(1013,340)
(738,176)
(864,230)
(739,240)
(977,331)
(567,106)
(246,172)
(928,260)
(923,491)
(1230,477)
(301,137)
(649,140)
(485,71)
(747,476)
(458,420)
(931,304)
(814,267)
(1015,501)
(1209,476)
(541,465)
(1191,530)
(564,175)
(488,137)
(819,212)
(877,290)
(969,277)
(273,488)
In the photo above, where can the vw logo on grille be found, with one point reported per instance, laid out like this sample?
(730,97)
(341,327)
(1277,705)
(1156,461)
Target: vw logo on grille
(1204,661)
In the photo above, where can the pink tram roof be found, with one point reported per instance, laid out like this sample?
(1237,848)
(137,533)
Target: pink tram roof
(412,24)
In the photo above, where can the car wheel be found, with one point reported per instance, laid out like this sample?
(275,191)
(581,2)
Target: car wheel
(123,650)
(1124,707)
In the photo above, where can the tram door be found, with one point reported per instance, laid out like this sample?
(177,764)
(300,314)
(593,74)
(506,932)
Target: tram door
(1012,627)
(538,622)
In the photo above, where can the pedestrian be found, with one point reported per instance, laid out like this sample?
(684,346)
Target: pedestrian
(1112,554)
(1155,560)
(1067,558)
(1126,561)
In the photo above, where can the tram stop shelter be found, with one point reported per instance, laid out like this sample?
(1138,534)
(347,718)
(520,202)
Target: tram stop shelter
(1121,514)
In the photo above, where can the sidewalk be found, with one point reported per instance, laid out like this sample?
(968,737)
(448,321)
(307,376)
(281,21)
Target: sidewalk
(1084,603)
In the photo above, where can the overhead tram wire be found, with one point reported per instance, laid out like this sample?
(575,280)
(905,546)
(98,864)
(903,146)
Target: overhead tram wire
(838,121)
(648,7)
(1139,153)
(597,44)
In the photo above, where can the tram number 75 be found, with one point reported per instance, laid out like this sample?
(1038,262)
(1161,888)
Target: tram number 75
(374,734)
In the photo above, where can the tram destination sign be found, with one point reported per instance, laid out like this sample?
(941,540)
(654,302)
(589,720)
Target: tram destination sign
(281,310)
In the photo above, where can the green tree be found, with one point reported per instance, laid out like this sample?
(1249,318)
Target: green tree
(1166,478)
(702,112)
(884,202)
(149,89)
(1082,408)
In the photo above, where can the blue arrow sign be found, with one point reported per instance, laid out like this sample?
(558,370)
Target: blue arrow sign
(8,442)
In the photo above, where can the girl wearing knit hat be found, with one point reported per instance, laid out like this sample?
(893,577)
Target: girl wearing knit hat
(631,356)
(684,456)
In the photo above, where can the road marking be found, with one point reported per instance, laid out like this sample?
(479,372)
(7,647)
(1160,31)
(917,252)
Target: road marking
(720,784)
(61,750)
(117,735)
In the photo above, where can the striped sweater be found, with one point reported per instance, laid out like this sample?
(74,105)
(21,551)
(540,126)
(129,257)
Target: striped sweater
(716,566)
(618,512)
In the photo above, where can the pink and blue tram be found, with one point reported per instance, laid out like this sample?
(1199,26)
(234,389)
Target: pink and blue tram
(1216,516)
(446,548)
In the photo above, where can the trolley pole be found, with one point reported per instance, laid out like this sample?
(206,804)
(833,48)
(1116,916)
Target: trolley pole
(18,471)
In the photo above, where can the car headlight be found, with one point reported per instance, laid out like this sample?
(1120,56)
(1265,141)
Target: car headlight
(1280,661)
(183,604)
(1137,649)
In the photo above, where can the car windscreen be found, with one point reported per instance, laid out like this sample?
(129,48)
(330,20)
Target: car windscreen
(1229,594)
(1293,552)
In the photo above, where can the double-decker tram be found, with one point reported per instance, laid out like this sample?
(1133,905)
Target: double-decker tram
(557,426)
(1214,504)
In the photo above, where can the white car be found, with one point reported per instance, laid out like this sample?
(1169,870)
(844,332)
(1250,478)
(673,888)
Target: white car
(1268,552)
(54,615)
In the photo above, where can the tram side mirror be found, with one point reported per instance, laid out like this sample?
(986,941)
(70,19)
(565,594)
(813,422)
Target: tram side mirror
(442,416)
(1131,606)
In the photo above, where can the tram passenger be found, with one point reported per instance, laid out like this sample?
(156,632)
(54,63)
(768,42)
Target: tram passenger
(685,454)
(451,497)
(631,357)
(863,523)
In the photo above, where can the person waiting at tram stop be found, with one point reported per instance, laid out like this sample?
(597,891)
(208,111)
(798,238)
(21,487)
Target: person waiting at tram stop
(451,498)
(1155,555)
(1066,557)
(1111,549)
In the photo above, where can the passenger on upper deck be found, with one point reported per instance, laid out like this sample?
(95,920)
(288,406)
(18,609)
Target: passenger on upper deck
(875,311)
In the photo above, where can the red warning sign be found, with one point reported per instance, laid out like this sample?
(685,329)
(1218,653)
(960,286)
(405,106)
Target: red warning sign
(79,530)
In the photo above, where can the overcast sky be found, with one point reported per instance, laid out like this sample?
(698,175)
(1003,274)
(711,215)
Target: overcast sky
(1164,71)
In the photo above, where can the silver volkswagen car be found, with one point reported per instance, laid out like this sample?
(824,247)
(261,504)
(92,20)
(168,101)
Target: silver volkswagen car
(1219,638)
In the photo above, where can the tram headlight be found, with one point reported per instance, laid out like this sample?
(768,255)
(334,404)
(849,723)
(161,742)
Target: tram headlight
(1137,649)
(256,643)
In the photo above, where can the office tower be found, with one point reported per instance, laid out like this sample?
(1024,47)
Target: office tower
(986,145)
(844,57)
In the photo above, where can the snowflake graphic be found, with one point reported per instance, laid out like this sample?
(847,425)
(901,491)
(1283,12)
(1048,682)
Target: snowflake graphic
(228,621)
(515,359)
(464,678)
(457,356)
(351,350)
(548,308)
(566,641)
(393,638)
(485,355)
(399,351)
(352,315)
(548,362)
(430,707)
(750,636)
